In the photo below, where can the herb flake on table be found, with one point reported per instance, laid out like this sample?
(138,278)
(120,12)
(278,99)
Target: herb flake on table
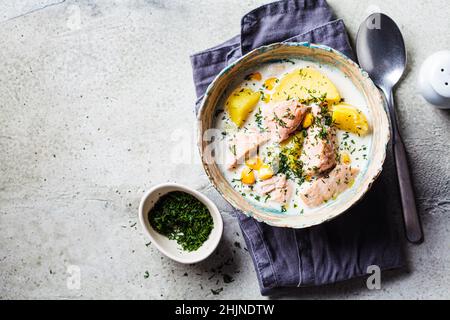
(227,278)
(217,291)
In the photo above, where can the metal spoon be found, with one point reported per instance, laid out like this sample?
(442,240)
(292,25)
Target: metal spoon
(381,52)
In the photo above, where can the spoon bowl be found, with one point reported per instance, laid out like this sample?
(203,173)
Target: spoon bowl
(381,50)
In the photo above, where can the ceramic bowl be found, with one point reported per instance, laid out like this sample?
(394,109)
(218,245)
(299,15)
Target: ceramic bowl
(170,248)
(310,52)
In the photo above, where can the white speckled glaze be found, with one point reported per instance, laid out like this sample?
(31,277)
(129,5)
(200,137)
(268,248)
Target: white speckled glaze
(310,52)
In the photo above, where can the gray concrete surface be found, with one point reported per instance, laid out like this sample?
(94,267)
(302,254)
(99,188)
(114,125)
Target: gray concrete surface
(91,93)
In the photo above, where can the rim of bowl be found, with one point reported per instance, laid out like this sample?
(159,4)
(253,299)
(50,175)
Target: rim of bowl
(212,209)
(370,179)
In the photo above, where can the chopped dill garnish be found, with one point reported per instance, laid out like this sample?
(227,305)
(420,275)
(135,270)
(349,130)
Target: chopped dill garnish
(280,122)
(259,120)
(182,217)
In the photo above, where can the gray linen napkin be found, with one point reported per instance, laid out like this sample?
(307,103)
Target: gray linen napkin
(335,251)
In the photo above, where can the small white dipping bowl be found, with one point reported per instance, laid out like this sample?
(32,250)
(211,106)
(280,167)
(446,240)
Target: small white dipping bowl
(170,248)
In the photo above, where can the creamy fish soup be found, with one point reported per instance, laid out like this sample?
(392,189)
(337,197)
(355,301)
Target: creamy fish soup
(295,135)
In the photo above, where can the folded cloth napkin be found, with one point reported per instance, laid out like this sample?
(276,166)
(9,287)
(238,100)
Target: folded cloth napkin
(335,251)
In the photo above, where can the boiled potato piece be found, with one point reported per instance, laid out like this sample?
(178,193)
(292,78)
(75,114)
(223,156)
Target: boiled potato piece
(241,103)
(349,118)
(305,84)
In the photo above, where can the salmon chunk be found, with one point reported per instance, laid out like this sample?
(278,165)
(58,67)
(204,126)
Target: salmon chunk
(278,187)
(283,118)
(330,186)
(242,145)
(267,186)
(319,150)
(281,195)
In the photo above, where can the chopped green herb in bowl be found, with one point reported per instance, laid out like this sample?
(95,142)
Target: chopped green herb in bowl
(182,217)
(182,223)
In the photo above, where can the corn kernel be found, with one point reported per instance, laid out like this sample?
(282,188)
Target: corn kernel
(254,163)
(266,98)
(345,158)
(308,121)
(265,172)
(256,76)
(248,176)
(269,84)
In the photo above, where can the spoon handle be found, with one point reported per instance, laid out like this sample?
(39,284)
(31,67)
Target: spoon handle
(413,227)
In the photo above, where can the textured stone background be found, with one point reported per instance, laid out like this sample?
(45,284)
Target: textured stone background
(94,97)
